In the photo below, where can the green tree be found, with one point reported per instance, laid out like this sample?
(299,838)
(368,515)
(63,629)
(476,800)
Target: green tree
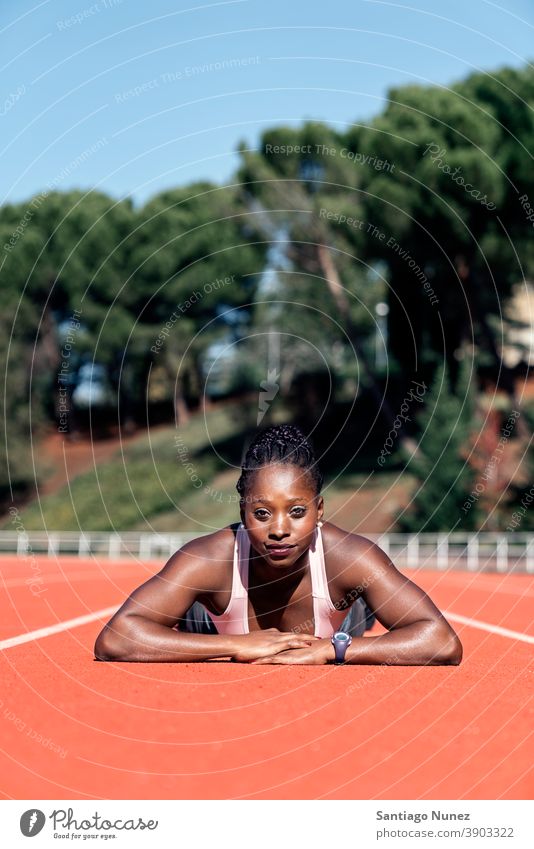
(67,252)
(304,196)
(442,471)
(460,159)
(195,264)
(22,411)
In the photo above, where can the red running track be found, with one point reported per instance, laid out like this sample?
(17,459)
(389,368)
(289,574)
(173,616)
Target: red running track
(74,728)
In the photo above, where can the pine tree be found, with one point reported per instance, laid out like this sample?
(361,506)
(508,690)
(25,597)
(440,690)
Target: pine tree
(443,500)
(519,511)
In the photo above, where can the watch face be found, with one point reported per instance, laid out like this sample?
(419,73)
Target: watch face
(341,637)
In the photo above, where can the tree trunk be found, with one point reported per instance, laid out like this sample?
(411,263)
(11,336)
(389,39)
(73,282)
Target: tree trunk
(339,295)
(181,411)
(505,375)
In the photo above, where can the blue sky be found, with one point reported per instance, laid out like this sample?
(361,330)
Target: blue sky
(134,97)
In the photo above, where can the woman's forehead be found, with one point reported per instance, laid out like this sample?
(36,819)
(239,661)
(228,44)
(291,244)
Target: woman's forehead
(280,477)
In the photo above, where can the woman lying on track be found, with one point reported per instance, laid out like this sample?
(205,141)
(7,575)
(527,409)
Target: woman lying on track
(281,587)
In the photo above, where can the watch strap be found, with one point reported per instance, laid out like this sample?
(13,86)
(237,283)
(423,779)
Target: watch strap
(340,649)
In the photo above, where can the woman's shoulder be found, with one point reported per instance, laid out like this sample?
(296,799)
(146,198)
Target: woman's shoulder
(205,561)
(343,549)
(217,547)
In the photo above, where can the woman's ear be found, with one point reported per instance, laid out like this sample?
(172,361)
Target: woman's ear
(320,508)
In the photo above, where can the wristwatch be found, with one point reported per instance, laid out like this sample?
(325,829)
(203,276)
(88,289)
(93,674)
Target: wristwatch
(341,641)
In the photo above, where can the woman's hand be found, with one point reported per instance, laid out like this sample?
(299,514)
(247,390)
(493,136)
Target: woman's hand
(318,653)
(267,644)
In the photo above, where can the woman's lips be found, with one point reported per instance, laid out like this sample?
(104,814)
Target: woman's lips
(280,550)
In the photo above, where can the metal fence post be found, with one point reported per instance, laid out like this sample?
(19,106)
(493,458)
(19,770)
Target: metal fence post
(383,542)
(502,554)
(145,547)
(53,545)
(472,552)
(22,543)
(114,546)
(442,552)
(84,546)
(412,551)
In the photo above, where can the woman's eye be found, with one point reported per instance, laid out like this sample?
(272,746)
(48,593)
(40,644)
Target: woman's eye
(298,511)
(261,514)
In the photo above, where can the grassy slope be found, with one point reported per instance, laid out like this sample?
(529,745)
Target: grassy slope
(146,479)
(147,487)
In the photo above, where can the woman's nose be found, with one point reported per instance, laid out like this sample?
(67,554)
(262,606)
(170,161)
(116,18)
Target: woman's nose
(279,527)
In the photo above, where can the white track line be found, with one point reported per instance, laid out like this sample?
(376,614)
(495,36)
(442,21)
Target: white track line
(487,626)
(109,611)
(56,629)
(476,583)
(56,579)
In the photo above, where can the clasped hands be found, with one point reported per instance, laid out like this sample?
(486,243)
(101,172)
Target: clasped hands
(284,648)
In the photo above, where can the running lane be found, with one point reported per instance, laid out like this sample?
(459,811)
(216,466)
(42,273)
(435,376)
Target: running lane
(75,728)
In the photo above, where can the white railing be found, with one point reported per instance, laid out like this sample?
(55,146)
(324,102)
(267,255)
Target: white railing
(482,552)
(145,546)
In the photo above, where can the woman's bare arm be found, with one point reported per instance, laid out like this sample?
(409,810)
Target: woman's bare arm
(143,629)
(417,633)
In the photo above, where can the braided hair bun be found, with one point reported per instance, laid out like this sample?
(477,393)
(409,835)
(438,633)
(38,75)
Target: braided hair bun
(280,444)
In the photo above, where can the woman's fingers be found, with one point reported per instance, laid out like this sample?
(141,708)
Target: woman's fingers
(306,638)
(282,659)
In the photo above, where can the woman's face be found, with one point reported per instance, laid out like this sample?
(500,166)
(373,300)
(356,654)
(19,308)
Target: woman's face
(280,513)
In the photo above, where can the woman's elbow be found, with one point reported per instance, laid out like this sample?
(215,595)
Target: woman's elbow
(456,653)
(449,650)
(110,645)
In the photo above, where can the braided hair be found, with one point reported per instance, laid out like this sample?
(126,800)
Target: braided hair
(280,444)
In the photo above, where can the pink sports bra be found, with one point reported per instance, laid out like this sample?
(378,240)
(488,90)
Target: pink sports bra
(234,620)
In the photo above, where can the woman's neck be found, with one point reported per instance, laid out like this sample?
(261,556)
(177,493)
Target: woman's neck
(264,579)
